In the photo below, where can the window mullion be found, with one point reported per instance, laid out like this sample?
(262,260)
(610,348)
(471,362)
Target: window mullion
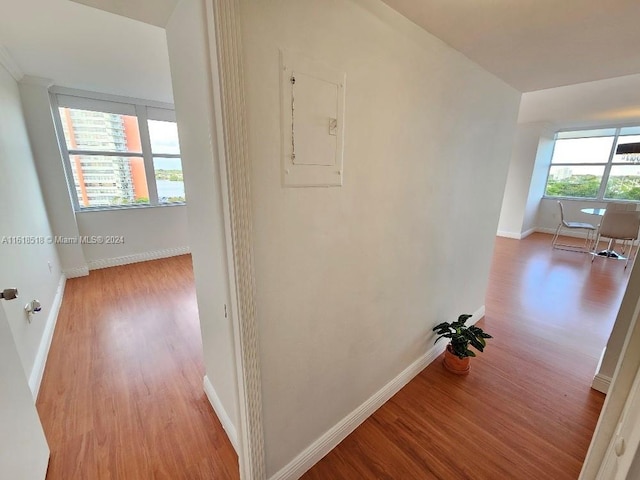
(66,161)
(145,141)
(607,168)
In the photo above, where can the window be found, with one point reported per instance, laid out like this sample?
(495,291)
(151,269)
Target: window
(119,154)
(599,164)
(166,161)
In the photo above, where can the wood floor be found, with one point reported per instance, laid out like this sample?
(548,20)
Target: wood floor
(526,411)
(122,395)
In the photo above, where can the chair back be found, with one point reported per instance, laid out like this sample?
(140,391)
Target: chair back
(562,213)
(621,207)
(620,224)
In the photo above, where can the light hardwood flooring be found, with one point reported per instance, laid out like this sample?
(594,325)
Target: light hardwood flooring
(526,411)
(122,395)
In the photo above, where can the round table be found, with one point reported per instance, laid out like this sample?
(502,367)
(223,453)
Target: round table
(594,211)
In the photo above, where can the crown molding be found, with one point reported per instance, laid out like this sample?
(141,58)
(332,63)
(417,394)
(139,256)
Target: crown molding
(7,61)
(36,81)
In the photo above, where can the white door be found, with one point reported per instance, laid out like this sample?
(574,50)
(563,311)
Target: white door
(621,460)
(24,453)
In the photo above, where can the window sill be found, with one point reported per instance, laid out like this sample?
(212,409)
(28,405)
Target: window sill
(589,200)
(575,199)
(129,207)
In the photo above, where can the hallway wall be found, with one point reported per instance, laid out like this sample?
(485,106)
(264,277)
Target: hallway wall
(27,260)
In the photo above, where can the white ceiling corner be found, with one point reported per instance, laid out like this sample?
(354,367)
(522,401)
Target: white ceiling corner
(536,44)
(7,61)
(156,12)
(86,48)
(37,81)
(614,101)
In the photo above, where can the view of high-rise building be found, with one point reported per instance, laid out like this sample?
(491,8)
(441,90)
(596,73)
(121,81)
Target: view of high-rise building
(105,156)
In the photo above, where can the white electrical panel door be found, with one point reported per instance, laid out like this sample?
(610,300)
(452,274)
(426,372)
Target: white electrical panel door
(312,123)
(314,126)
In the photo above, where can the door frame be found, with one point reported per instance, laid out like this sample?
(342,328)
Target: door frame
(626,370)
(225,57)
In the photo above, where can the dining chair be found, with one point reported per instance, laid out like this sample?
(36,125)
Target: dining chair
(619,225)
(588,243)
(622,207)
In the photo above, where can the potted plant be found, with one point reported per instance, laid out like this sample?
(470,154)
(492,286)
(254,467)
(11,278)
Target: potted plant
(461,336)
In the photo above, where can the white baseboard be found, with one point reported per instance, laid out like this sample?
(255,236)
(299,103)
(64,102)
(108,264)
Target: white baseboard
(226,422)
(76,272)
(503,233)
(526,233)
(323,445)
(45,342)
(601,383)
(137,257)
(565,232)
(516,235)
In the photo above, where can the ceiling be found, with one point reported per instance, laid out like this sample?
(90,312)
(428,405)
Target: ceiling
(156,12)
(614,101)
(82,47)
(536,44)
(530,44)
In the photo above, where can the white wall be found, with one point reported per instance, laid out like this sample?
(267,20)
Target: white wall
(34,94)
(626,371)
(22,213)
(621,327)
(530,158)
(148,232)
(188,56)
(351,279)
(539,174)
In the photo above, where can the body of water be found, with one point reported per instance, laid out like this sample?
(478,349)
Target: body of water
(167,188)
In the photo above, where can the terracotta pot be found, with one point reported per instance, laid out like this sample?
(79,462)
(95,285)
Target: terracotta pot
(455,364)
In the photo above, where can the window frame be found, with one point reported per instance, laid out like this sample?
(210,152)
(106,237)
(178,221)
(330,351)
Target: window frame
(600,197)
(144,110)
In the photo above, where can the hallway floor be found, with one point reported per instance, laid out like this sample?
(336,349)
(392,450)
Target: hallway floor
(122,394)
(526,411)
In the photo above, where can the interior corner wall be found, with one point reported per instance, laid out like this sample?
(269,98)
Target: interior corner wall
(350,280)
(46,153)
(147,233)
(26,262)
(621,325)
(538,177)
(525,181)
(188,55)
(626,372)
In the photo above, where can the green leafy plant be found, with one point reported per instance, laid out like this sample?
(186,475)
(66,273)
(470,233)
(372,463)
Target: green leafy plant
(461,336)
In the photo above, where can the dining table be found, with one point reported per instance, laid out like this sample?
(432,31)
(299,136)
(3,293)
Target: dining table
(594,211)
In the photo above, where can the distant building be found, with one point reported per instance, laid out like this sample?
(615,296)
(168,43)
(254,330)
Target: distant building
(105,179)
